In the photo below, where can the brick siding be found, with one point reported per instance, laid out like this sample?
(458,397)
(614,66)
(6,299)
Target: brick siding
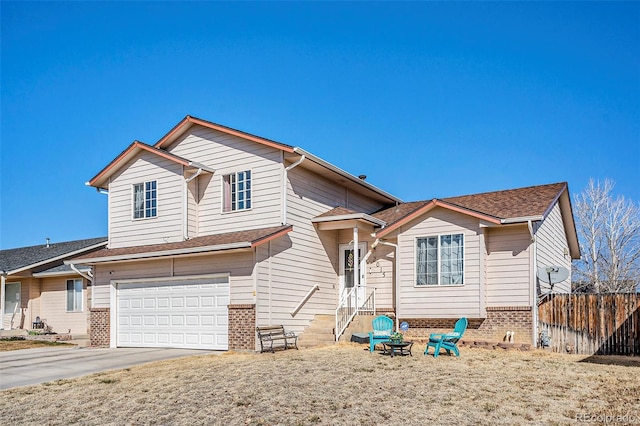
(242,326)
(493,328)
(99,328)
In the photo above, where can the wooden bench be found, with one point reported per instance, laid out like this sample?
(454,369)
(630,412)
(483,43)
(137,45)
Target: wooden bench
(273,336)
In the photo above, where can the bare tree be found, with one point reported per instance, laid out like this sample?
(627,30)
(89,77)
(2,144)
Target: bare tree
(609,234)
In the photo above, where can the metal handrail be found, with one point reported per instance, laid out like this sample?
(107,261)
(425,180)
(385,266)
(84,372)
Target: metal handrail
(345,312)
(304,300)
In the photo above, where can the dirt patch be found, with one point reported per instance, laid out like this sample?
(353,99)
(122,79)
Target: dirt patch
(342,384)
(15,344)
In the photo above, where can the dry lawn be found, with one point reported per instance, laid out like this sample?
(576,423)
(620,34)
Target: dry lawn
(13,345)
(341,385)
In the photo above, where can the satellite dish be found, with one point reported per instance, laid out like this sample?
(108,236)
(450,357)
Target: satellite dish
(553,274)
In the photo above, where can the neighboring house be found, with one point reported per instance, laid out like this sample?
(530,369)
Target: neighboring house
(213,231)
(35,283)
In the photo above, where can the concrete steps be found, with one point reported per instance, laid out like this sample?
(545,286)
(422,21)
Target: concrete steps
(319,332)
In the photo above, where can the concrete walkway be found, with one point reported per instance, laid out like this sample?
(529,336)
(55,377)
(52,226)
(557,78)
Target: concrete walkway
(33,366)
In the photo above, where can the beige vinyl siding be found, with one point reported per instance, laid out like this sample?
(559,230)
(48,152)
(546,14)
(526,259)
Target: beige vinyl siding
(552,248)
(105,273)
(239,265)
(167,226)
(227,154)
(444,301)
(508,266)
(33,306)
(361,203)
(305,257)
(53,309)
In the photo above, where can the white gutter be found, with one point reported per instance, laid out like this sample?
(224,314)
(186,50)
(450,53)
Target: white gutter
(161,253)
(284,187)
(521,219)
(185,225)
(87,276)
(353,216)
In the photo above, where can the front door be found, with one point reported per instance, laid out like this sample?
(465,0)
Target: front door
(12,302)
(347,272)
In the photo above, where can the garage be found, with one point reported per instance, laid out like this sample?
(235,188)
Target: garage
(186,313)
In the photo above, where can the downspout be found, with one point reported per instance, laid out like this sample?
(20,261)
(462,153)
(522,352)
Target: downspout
(284,188)
(534,292)
(88,276)
(397,276)
(185,219)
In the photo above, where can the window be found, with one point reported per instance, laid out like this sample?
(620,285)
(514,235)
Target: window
(236,191)
(145,200)
(440,260)
(74,295)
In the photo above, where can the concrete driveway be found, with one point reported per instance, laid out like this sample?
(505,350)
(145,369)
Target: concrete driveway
(40,365)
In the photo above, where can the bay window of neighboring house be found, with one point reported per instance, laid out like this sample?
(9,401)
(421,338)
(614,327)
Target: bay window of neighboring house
(236,191)
(74,295)
(440,260)
(145,200)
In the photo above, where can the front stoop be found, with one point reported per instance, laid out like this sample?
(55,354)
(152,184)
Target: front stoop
(360,324)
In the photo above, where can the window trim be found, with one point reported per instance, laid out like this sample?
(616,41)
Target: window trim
(144,190)
(439,284)
(81,301)
(222,191)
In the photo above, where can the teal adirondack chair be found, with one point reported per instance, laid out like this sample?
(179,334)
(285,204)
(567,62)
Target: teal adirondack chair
(448,341)
(382,329)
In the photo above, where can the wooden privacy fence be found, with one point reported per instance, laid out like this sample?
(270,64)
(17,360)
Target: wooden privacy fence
(603,324)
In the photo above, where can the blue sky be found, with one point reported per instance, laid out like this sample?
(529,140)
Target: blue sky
(427,99)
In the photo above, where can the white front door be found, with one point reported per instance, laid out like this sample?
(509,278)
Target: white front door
(347,272)
(12,303)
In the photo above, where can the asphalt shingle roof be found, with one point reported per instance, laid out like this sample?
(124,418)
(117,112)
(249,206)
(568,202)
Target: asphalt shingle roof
(511,203)
(506,204)
(250,236)
(22,257)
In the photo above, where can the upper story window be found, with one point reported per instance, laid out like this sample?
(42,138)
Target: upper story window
(74,295)
(236,191)
(145,200)
(440,260)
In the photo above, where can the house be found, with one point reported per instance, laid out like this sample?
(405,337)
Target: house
(213,231)
(35,283)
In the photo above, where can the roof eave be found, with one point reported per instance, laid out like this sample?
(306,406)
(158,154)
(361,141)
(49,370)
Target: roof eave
(46,274)
(346,175)
(188,121)
(161,253)
(523,219)
(355,216)
(54,259)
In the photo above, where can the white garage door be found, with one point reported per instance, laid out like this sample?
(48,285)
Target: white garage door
(174,314)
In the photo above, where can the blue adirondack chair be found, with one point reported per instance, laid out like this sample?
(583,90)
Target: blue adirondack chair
(448,341)
(382,329)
